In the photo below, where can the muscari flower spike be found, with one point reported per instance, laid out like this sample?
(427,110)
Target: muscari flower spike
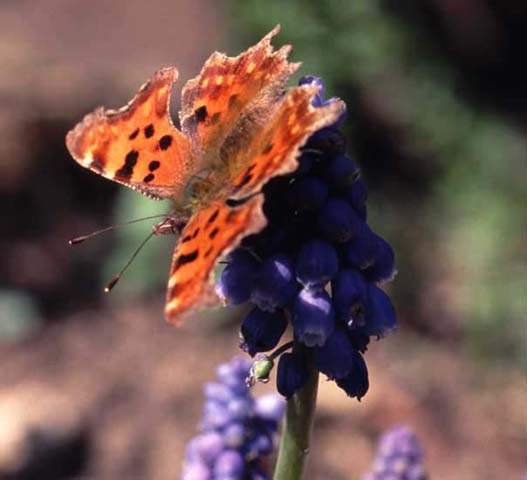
(317,267)
(237,430)
(399,457)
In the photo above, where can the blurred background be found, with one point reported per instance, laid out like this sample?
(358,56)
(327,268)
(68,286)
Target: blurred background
(98,386)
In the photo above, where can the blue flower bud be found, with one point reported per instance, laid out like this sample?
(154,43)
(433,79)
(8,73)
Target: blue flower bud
(317,263)
(217,392)
(382,269)
(205,448)
(269,407)
(356,383)
(272,240)
(239,408)
(313,317)
(260,444)
(236,280)
(195,471)
(305,163)
(328,140)
(229,464)
(338,221)
(234,434)
(342,172)
(307,193)
(215,415)
(318,100)
(380,314)
(261,331)
(350,295)
(291,374)
(399,457)
(335,358)
(274,284)
(359,340)
(357,194)
(256,473)
(360,252)
(233,374)
(276,206)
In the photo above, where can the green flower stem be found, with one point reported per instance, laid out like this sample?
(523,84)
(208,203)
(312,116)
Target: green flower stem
(300,413)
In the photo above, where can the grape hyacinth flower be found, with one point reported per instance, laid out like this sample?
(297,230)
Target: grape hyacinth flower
(399,457)
(237,430)
(317,267)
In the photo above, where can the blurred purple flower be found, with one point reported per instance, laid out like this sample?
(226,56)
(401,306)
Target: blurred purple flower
(399,457)
(237,430)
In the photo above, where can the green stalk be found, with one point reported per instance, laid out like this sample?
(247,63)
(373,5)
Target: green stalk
(300,413)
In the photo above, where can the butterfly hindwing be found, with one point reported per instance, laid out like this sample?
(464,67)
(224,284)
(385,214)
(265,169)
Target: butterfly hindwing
(209,235)
(275,151)
(136,145)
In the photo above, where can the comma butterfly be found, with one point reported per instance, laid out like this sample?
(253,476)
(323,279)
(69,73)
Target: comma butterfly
(240,127)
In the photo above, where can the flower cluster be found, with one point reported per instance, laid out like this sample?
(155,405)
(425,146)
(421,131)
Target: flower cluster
(399,457)
(237,430)
(316,266)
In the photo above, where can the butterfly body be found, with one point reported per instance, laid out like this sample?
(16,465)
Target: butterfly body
(240,127)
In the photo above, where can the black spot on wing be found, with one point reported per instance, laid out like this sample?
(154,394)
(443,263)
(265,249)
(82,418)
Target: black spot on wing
(244,181)
(214,232)
(127,170)
(149,178)
(165,141)
(200,114)
(154,165)
(233,99)
(268,148)
(134,134)
(185,259)
(149,131)
(215,118)
(213,216)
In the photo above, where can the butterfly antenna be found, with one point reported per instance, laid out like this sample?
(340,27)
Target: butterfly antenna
(115,279)
(82,238)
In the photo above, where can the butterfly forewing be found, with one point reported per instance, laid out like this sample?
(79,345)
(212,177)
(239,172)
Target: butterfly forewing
(213,102)
(137,145)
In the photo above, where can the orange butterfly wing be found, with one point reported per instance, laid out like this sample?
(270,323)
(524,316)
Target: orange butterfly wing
(209,235)
(276,150)
(138,144)
(213,101)
(215,230)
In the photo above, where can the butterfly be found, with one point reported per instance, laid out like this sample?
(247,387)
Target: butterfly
(239,127)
